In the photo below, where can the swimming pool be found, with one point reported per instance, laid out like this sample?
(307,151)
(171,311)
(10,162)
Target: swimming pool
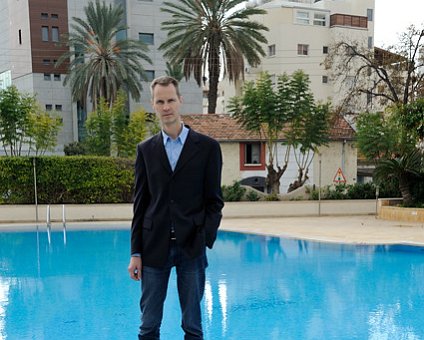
(257,288)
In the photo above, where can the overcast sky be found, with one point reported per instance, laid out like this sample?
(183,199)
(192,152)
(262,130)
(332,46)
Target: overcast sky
(393,17)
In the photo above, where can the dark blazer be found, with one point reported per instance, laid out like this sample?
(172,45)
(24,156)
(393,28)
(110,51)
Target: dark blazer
(188,198)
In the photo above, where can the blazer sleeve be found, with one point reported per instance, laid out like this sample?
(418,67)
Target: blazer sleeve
(213,194)
(141,201)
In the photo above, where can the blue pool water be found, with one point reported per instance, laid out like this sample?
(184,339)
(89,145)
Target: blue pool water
(257,288)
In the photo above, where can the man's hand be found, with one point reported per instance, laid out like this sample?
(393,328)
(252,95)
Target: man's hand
(134,268)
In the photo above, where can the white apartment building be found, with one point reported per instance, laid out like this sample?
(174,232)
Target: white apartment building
(301,33)
(29,36)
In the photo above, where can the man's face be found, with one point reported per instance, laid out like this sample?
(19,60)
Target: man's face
(166,104)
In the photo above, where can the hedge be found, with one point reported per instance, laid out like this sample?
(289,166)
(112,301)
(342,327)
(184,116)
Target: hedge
(70,179)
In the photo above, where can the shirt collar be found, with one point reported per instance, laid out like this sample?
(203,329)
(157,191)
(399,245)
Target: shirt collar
(181,137)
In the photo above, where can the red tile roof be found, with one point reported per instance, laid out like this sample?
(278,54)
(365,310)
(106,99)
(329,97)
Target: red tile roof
(223,127)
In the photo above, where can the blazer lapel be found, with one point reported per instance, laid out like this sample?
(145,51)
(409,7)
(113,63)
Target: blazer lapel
(159,150)
(190,149)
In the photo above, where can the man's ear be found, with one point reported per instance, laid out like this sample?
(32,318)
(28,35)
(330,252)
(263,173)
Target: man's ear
(181,99)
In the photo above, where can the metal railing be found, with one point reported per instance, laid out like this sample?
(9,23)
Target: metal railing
(49,223)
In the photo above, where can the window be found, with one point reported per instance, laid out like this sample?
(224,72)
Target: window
(320,19)
(44,15)
(370,14)
(252,156)
(302,49)
(44,33)
(56,77)
(252,153)
(46,62)
(150,74)
(49,107)
(55,34)
(20,37)
(325,49)
(271,50)
(47,76)
(79,53)
(58,107)
(302,17)
(147,38)
(324,79)
(55,16)
(370,42)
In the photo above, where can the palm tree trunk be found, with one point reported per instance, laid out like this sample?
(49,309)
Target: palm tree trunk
(214,69)
(404,190)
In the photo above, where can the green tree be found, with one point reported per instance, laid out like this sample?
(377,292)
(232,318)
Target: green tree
(377,136)
(174,70)
(290,106)
(111,132)
(404,168)
(392,139)
(204,33)
(99,130)
(309,125)
(100,62)
(135,133)
(43,131)
(118,125)
(265,112)
(15,109)
(411,116)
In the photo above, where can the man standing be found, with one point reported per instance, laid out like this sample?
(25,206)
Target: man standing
(177,211)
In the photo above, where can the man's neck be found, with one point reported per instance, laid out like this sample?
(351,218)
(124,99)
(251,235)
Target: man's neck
(173,130)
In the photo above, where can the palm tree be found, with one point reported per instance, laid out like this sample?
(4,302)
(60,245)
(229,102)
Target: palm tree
(404,169)
(174,71)
(205,33)
(100,63)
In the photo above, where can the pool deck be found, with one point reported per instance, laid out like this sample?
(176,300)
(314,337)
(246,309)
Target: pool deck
(345,225)
(360,229)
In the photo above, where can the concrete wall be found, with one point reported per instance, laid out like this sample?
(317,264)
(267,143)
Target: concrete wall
(123,212)
(388,209)
(336,155)
(231,163)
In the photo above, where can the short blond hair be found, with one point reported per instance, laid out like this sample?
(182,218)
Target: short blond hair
(164,81)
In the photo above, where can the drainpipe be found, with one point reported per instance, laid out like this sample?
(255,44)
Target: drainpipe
(343,156)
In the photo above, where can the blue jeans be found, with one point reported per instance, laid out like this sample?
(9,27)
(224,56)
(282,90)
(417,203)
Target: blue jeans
(190,284)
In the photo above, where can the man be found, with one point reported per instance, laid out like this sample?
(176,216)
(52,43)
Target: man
(177,211)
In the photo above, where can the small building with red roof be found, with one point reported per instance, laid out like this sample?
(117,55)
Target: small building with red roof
(245,153)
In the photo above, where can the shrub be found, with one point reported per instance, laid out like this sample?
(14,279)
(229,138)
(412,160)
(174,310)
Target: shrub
(233,193)
(75,149)
(272,197)
(252,196)
(361,191)
(336,192)
(69,179)
(354,191)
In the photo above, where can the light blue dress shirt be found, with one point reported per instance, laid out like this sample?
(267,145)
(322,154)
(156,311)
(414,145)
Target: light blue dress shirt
(173,147)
